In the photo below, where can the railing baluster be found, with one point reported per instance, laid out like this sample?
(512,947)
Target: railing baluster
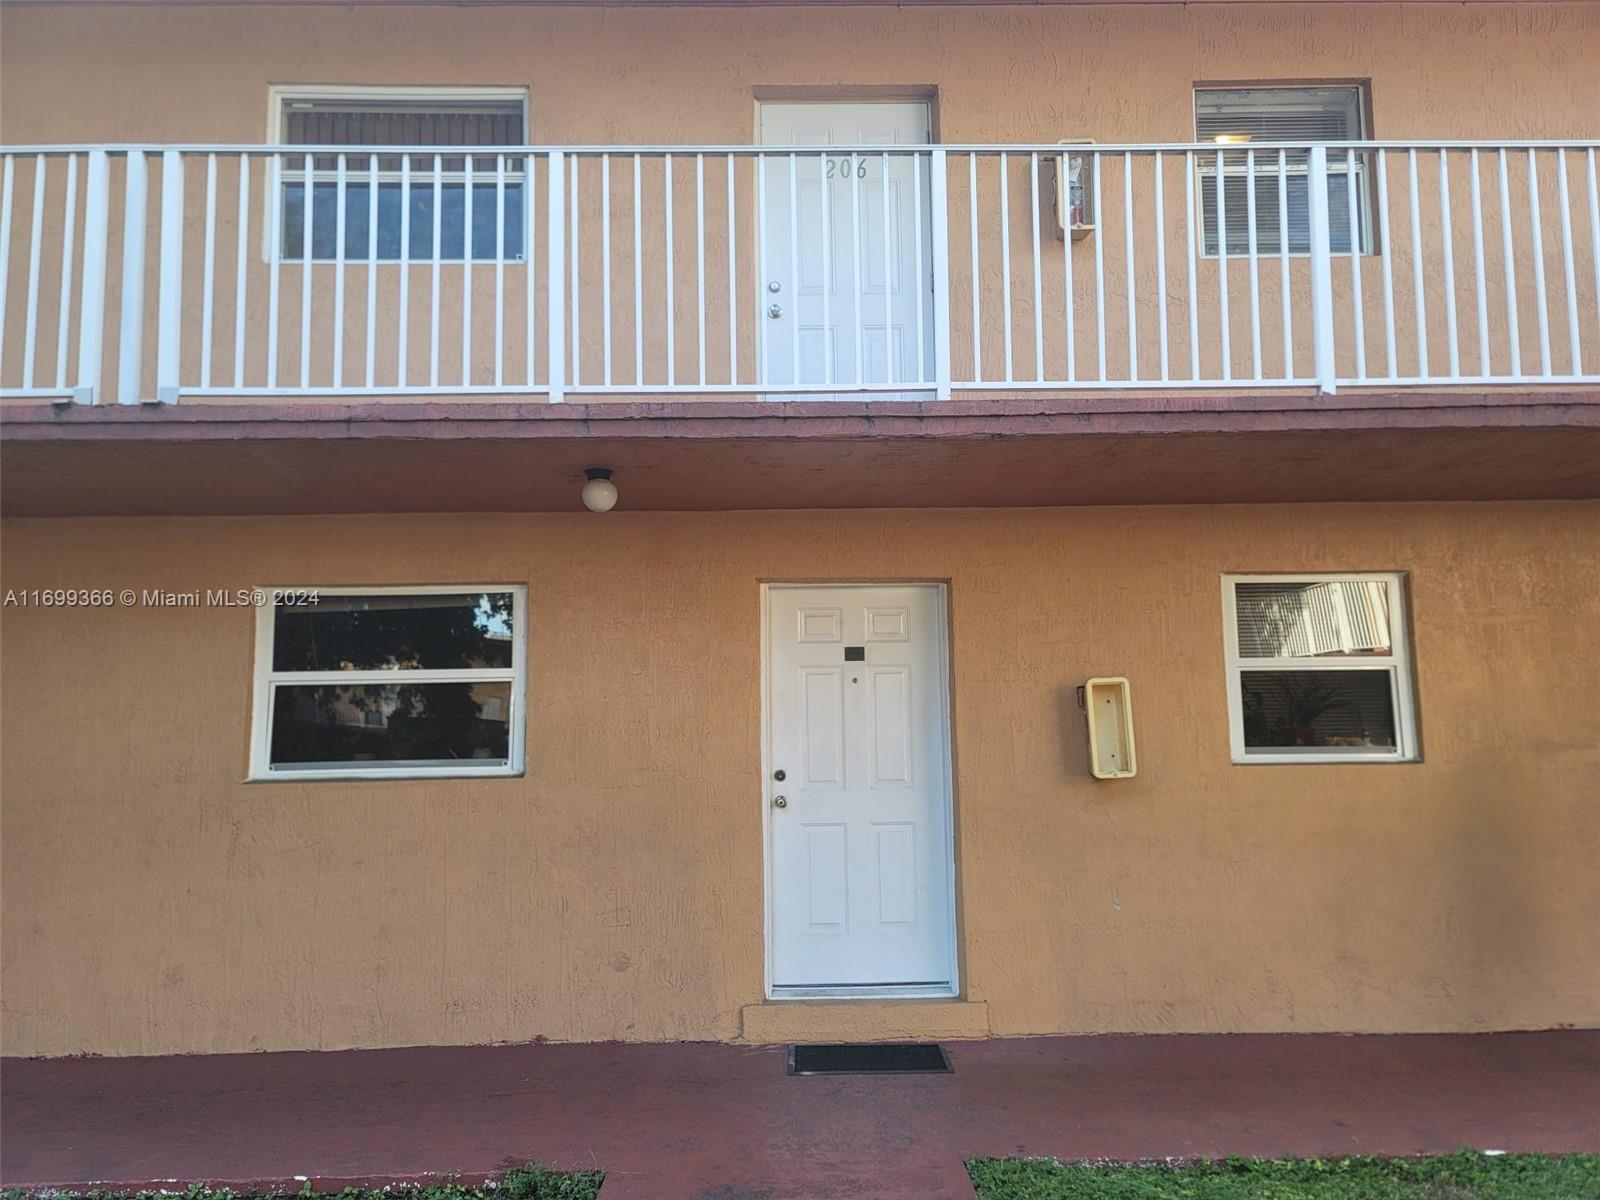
(469,254)
(1513,334)
(763,338)
(169,303)
(794,273)
(35,248)
(1321,249)
(890,273)
(208,282)
(575,265)
(825,186)
(1447,241)
(370,375)
(939,235)
(700,256)
(1189,241)
(7,187)
(1255,270)
(1038,268)
(1388,265)
(858,281)
(438,261)
(977,278)
(1478,270)
(92,293)
(638,271)
(605,266)
(1418,287)
(1536,231)
(1128,251)
(130,341)
(733,276)
(500,273)
(69,233)
(1358,300)
(403,343)
(1574,349)
(1005,253)
(1594,231)
(1099,276)
(1161,267)
(556,275)
(530,259)
(1222,267)
(672,290)
(1283,263)
(241,270)
(307,259)
(916,274)
(339,195)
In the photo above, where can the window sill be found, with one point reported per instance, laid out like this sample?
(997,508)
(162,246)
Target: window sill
(1274,760)
(375,774)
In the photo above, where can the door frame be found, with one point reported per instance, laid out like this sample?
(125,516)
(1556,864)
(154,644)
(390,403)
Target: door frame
(823,96)
(941,590)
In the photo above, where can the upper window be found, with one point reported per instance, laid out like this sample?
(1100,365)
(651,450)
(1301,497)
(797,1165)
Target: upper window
(1233,118)
(390,682)
(1318,668)
(414,192)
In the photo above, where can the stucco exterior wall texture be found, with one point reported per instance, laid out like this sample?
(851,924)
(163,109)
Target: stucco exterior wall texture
(155,903)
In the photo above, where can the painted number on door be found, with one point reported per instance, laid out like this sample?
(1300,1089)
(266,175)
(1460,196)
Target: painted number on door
(843,168)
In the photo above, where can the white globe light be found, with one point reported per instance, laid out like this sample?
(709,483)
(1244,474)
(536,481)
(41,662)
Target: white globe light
(599,494)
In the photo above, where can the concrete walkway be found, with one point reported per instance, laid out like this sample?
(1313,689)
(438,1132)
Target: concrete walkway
(713,1122)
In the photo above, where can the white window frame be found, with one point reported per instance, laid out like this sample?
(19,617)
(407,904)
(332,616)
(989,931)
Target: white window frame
(1398,664)
(280,96)
(267,679)
(1363,239)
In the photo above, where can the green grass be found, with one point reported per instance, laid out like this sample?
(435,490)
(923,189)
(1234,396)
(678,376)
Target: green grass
(1464,1176)
(524,1183)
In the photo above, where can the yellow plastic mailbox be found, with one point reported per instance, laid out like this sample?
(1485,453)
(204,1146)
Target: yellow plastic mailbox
(1109,709)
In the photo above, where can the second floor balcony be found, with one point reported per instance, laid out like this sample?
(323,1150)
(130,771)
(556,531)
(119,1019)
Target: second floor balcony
(184,274)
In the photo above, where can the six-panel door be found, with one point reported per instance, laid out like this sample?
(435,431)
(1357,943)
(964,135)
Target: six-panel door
(860,822)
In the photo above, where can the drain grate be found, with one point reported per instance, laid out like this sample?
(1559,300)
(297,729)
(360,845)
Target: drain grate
(882,1058)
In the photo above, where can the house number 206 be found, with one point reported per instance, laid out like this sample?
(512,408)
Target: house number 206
(843,168)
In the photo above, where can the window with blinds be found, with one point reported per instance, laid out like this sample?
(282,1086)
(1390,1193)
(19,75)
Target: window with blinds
(409,187)
(1317,669)
(1233,119)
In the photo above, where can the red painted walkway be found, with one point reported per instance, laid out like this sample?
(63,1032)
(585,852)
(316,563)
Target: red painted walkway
(711,1122)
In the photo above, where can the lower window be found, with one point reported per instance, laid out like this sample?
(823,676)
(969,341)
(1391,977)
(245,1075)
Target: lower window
(1318,668)
(389,682)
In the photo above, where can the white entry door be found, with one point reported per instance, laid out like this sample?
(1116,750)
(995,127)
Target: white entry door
(858,791)
(846,249)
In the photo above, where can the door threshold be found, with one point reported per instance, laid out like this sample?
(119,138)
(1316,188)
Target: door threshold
(905,991)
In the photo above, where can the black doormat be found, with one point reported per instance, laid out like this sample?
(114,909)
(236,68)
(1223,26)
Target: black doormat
(883,1058)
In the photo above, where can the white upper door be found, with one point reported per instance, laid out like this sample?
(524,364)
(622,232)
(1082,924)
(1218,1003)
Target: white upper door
(861,859)
(846,248)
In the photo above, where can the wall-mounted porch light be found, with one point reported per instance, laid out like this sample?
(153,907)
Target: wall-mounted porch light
(599,493)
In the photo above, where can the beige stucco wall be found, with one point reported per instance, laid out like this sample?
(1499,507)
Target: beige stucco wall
(153,902)
(997,75)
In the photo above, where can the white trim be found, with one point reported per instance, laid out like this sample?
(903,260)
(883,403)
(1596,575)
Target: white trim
(868,992)
(265,679)
(1398,664)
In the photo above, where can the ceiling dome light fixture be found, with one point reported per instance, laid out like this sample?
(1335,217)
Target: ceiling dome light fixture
(599,494)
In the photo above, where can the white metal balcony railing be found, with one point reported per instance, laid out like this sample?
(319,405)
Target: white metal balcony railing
(885,270)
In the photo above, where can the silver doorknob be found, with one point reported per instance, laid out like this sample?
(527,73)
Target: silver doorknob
(780,802)
(775,311)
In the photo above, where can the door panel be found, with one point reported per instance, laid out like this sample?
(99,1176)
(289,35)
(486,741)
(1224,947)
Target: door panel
(851,262)
(860,857)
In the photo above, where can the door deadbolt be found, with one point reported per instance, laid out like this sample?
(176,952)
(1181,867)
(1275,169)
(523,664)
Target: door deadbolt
(780,774)
(774,287)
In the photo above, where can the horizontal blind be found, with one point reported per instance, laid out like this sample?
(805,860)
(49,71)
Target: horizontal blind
(1309,620)
(340,124)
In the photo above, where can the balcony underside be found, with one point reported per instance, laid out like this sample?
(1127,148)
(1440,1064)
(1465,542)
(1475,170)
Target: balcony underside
(530,457)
